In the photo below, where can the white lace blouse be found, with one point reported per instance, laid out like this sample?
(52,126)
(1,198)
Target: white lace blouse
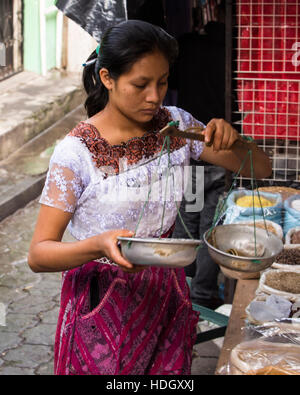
(81,180)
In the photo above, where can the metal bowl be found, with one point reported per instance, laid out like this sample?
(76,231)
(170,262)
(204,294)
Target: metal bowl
(171,253)
(224,238)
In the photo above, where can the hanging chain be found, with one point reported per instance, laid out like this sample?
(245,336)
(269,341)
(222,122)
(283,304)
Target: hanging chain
(150,189)
(166,142)
(220,210)
(166,186)
(221,204)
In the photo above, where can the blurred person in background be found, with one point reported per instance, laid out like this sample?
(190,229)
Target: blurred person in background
(199,79)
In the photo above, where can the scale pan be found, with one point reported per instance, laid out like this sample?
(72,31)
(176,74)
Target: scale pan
(169,253)
(224,238)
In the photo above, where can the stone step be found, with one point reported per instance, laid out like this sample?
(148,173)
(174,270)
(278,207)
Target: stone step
(30,103)
(23,173)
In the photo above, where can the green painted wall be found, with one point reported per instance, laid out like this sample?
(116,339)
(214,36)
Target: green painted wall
(31,43)
(32,53)
(51,36)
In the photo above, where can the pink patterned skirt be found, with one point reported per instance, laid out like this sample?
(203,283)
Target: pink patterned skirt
(143,324)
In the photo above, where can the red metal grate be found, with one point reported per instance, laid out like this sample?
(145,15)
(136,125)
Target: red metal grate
(267,74)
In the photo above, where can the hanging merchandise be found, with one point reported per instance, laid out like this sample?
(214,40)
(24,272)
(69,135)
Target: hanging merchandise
(94,16)
(207,10)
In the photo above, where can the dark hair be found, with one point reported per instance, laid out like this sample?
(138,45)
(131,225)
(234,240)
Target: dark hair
(121,46)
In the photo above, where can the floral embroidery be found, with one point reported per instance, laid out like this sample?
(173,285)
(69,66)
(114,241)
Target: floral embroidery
(61,189)
(134,150)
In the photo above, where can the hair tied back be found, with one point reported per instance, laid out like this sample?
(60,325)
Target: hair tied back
(93,61)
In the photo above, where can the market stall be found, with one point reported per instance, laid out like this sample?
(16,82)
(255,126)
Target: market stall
(269,348)
(263,333)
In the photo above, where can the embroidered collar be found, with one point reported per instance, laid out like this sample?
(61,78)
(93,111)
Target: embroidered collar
(133,150)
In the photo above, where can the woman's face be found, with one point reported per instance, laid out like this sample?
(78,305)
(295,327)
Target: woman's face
(138,93)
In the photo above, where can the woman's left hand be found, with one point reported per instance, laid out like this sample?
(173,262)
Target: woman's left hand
(220,134)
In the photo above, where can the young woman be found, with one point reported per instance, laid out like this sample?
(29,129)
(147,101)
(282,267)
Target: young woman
(117,318)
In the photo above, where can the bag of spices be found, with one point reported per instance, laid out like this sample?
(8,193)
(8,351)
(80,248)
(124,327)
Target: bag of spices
(280,282)
(293,237)
(291,213)
(240,207)
(288,259)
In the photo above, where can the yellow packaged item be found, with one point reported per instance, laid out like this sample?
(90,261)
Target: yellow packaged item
(247,201)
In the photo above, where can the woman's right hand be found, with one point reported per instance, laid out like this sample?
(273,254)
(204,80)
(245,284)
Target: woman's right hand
(108,244)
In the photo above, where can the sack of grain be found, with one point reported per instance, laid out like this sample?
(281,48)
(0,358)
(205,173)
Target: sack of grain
(270,207)
(291,213)
(288,259)
(280,282)
(293,237)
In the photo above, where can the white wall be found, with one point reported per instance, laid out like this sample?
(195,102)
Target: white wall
(80,46)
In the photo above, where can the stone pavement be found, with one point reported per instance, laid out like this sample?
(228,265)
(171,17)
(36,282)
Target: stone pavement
(31,302)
